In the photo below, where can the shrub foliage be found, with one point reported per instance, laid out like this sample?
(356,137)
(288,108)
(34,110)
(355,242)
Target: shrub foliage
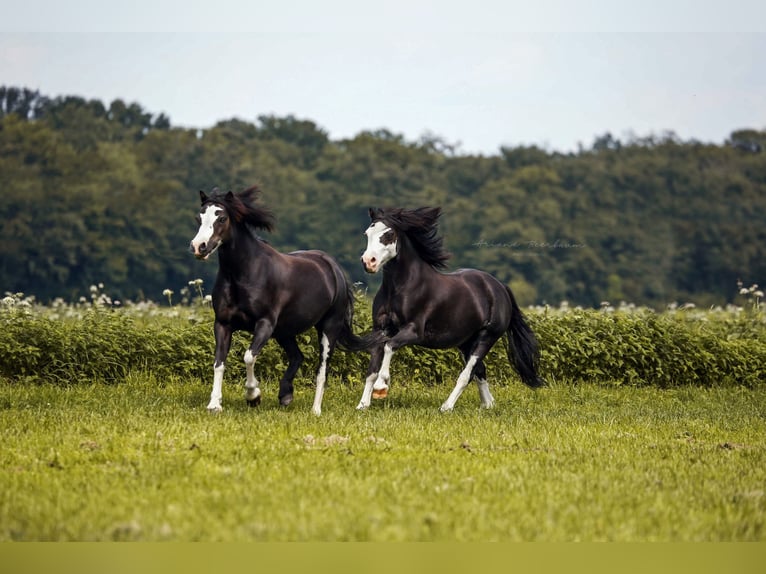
(95,341)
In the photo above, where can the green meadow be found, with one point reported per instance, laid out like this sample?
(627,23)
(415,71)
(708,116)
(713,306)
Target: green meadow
(143,460)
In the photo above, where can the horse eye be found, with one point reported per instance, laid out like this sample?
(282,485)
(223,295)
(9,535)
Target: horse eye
(198,219)
(221,218)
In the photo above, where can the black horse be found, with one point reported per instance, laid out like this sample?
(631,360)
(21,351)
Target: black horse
(419,305)
(269,294)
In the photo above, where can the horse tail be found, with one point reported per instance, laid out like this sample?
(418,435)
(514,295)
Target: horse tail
(348,339)
(523,352)
(344,293)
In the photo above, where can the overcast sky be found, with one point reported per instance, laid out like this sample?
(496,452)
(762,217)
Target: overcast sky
(480,73)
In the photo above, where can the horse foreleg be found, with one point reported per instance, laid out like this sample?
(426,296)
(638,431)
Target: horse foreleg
(222,343)
(407,335)
(376,356)
(252,390)
(261,334)
(380,386)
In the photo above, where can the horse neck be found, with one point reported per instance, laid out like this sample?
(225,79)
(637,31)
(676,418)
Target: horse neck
(406,266)
(243,251)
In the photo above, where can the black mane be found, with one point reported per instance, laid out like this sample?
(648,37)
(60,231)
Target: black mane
(420,226)
(242,208)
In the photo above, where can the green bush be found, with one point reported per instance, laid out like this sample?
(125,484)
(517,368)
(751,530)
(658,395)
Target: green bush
(644,348)
(87,342)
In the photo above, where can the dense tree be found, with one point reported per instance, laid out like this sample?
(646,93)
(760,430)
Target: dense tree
(108,193)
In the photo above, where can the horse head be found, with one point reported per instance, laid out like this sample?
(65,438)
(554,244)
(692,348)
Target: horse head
(214,225)
(222,212)
(381,243)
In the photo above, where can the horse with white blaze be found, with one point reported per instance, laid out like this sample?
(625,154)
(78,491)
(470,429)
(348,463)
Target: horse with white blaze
(270,294)
(418,304)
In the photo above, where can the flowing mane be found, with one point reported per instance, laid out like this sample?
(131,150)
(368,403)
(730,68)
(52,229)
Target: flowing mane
(242,207)
(421,227)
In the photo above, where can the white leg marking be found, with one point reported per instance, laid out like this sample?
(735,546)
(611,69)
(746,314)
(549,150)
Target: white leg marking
(487,400)
(321,376)
(367,394)
(214,406)
(384,375)
(462,383)
(252,391)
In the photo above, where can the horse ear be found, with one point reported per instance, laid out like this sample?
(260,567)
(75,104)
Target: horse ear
(202,196)
(375,213)
(230,196)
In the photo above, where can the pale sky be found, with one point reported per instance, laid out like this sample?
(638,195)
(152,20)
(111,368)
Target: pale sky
(482,73)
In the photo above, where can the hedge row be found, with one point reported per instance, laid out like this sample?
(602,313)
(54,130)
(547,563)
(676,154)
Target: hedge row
(629,348)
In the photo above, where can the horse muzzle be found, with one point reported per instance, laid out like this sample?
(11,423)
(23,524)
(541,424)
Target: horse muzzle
(202,250)
(370,265)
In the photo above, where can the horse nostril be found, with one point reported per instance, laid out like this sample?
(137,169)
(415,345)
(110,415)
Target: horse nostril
(202,247)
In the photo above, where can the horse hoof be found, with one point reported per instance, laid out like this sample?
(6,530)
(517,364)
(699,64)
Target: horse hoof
(254,402)
(286,400)
(380,393)
(214,410)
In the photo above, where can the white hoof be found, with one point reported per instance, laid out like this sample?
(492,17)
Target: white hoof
(380,385)
(214,409)
(445,408)
(362,407)
(317,411)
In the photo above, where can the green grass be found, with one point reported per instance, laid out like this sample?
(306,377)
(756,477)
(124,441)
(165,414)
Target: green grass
(143,460)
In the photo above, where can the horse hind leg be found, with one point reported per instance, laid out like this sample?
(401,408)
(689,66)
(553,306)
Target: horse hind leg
(482,346)
(326,347)
(462,383)
(295,359)
(480,375)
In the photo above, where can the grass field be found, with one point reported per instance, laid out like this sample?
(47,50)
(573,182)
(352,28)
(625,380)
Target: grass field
(143,460)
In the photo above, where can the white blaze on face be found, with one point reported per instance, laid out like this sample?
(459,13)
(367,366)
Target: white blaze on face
(207,219)
(381,247)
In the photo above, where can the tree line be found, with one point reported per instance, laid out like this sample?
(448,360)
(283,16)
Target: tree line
(96,193)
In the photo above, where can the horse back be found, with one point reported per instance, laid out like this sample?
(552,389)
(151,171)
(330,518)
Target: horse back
(317,266)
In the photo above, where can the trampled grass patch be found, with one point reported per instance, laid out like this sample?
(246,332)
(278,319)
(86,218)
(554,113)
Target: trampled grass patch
(143,460)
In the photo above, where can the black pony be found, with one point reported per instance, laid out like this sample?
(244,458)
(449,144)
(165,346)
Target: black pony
(419,305)
(269,294)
